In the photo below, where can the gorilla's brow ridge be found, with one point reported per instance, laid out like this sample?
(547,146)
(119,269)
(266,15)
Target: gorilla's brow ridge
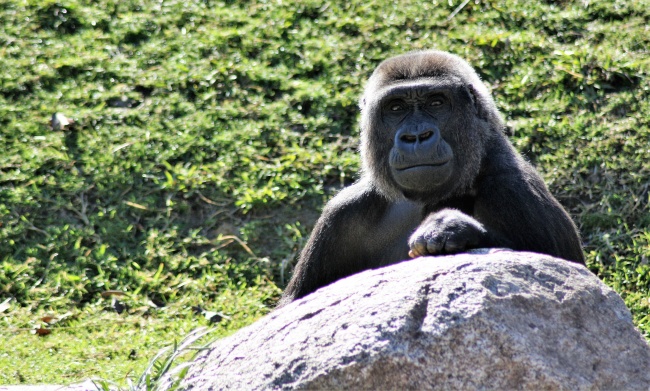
(404,74)
(433,84)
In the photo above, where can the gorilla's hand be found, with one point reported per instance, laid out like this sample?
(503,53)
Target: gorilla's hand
(445,232)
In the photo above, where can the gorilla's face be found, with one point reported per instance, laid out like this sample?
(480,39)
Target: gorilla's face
(426,123)
(422,138)
(421,158)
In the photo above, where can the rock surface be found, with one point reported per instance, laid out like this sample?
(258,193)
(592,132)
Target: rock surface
(504,320)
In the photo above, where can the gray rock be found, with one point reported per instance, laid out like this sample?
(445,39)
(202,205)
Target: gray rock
(501,320)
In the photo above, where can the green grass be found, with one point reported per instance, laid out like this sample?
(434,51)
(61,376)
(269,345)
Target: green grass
(208,135)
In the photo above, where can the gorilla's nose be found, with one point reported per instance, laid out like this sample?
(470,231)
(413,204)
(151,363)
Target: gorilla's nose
(421,137)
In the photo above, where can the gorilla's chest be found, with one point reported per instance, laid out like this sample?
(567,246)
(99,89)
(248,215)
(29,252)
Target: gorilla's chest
(390,236)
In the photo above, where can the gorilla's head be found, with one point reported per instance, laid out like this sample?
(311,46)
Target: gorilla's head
(426,120)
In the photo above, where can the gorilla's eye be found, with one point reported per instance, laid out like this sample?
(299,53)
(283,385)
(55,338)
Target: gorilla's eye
(435,102)
(394,105)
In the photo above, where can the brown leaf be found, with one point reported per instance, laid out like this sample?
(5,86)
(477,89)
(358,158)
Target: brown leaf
(41,331)
(113,293)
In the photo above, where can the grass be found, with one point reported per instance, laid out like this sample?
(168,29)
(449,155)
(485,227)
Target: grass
(207,136)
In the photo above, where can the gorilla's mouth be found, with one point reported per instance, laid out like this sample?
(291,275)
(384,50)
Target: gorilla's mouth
(422,175)
(427,165)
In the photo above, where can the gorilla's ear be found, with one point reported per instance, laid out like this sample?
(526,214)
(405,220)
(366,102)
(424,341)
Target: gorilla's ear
(481,111)
(485,112)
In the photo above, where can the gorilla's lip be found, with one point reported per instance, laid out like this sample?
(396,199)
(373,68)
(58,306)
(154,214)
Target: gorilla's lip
(431,164)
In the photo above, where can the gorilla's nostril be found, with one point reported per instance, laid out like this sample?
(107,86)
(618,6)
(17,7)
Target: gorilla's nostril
(408,138)
(424,136)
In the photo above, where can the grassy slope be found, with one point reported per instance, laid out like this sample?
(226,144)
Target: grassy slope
(240,121)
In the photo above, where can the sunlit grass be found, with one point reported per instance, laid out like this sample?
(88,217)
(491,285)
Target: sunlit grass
(208,135)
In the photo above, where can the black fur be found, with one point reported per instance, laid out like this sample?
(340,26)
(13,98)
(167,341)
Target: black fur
(439,177)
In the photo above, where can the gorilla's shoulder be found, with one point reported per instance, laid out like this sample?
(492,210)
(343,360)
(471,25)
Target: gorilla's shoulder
(360,198)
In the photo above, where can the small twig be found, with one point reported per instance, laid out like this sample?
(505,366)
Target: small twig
(209,201)
(30,226)
(223,244)
(128,189)
(84,207)
(134,205)
(47,269)
(241,243)
(230,213)
(284,264)
(122,146)
(457,10)
(34,228)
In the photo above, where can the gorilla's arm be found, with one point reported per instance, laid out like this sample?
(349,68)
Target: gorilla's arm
(516,207)
(533,220)
(359,229)
(511,208)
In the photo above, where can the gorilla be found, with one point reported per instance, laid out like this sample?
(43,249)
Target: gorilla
(438,176)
